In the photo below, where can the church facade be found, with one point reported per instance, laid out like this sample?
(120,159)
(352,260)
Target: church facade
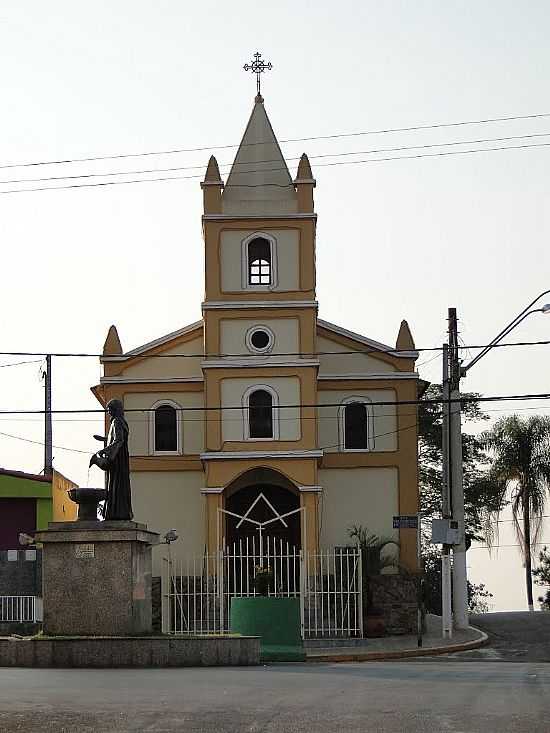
(260,408)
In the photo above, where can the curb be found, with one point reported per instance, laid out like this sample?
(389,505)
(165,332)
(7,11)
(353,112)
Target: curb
(402,653)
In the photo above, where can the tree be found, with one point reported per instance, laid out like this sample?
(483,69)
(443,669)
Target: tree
(481,495)
(541,576)
(482,498)
(520,451)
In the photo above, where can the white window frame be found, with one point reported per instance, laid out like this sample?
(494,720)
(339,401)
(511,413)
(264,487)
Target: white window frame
(179,431)
(342,424)
(274,412)
(248,339)
(244,261)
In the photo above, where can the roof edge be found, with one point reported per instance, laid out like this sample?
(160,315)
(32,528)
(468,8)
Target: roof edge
(139,350)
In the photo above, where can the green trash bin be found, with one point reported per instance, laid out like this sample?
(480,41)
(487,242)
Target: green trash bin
(275,620)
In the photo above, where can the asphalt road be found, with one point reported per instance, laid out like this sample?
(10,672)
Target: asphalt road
(391,697)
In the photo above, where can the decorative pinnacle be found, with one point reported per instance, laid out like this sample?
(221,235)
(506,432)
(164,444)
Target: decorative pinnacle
(258,66)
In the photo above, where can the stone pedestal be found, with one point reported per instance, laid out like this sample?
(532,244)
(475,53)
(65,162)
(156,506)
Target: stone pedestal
(97,578)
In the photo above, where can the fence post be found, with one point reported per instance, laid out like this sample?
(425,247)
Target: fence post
(360,587)
(165,581)
(303,586)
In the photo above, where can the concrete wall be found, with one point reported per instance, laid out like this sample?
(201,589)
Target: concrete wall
(232,391)
(171,500)
(367,496)
(191,423)
(384,420)
(287,254)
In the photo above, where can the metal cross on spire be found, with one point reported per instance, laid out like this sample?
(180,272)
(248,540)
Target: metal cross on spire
(258,66)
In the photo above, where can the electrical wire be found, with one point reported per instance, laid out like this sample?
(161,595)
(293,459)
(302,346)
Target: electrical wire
(289,185)
(257,162)
(221,408)
(268,359)
(19,363)
(412,128)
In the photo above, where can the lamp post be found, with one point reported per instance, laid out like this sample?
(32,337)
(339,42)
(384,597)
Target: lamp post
(454,457)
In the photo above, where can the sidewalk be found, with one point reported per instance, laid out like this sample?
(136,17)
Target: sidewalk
(397,647)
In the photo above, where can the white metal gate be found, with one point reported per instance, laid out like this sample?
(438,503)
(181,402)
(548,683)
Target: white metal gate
(198,591)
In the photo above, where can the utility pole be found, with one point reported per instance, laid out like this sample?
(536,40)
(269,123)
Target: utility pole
(48,448)
(446,593)
(460,578)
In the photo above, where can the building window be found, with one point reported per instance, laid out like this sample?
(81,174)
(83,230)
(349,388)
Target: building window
(356,425)
(165,432)
(261,421)
(259,339)
(259,262)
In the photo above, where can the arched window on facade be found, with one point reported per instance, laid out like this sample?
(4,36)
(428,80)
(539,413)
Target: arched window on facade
(260,414)
(356,426)
(165,429)
(259,264)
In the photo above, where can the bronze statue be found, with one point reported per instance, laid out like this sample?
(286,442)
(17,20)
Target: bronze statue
(114,459)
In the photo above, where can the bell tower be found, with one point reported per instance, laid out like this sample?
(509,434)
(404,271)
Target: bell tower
(260,310)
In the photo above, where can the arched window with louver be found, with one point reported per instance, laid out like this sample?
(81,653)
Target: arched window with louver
(356,426)
(260,414)
(165,429)
(260,266)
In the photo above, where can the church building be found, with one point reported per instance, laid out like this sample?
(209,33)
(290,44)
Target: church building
(261,408)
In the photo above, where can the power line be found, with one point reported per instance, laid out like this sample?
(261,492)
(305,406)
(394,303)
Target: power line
(289,185)
(257,162)
(262,360)
(299,405)
(413,128)
(19,363)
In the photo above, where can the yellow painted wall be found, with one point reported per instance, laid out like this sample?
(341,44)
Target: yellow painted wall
(348,363)
(367,496)
(164,368)
(63,509)
(171,500)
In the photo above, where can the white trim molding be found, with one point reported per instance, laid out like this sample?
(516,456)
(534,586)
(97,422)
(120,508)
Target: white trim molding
(342,424)
(246,454)
(255,304)
(245,402)
(213,490)
(246,217)
(383,375)
(257,361)
(310,489)
(150,380)
(270,339)
(179,436)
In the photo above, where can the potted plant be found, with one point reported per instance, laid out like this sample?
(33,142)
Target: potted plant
(373,562)
(263,579)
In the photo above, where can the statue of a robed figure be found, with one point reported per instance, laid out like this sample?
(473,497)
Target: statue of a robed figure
(114,459)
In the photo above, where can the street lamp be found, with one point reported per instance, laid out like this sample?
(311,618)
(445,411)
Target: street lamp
(455,468)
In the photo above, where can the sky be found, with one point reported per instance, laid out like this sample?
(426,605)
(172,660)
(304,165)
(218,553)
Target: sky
(396,239)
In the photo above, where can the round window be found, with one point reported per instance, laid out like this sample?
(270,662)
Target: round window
(259,338)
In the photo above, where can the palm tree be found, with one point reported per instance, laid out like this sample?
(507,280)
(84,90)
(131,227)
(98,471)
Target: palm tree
(520,451)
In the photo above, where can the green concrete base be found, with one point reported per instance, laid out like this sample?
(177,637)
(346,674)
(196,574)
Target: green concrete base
(276,621)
